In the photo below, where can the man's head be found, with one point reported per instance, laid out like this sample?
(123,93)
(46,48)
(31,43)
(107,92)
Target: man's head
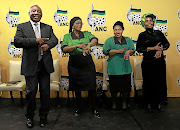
(35,13)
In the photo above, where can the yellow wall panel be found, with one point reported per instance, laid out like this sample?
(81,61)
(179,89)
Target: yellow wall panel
(115,10)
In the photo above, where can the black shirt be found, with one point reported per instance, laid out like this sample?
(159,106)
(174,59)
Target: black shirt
(151,38)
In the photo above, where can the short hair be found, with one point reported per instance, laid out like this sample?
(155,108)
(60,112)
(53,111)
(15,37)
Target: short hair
(36,6)
(119,23)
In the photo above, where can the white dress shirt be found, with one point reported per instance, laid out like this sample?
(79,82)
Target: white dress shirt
(32,23)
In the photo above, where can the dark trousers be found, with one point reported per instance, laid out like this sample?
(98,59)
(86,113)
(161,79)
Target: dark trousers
(91,96)
(122,84)
(125,96)
(43,78)
(154,82)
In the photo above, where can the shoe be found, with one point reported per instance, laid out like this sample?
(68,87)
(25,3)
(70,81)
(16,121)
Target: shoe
(160,108)
(124,106)
(114,106)
(30,123)
(43,122)
(164,103)
(149,108)
(77,112)
(96,114)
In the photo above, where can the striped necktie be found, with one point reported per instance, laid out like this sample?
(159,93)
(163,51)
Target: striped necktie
(37,33)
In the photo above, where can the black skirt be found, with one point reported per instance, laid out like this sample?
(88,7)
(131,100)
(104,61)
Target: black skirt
(82,73)
(154,81)
(120,83)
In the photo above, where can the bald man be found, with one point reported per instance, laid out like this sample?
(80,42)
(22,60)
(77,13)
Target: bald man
(37,39)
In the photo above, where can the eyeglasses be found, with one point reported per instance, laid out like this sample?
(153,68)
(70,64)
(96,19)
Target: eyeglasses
(79,23)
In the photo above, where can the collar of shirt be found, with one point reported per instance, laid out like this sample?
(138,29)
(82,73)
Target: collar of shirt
(32,23)
(73,35)
(149,30)
(123,41)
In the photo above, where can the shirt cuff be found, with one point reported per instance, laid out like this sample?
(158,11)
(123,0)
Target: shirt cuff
(63,47)
(108,51)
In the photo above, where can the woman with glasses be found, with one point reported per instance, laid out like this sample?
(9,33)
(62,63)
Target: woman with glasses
(152,43)
(119,49)
(81,68)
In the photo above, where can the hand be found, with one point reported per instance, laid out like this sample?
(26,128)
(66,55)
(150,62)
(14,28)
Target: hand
(126,55)
(158,54)
(81,46)
(41,40)
(157,47)
(44,47)
(86,49)
(122,50)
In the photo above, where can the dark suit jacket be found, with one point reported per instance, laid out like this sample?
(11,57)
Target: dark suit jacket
(25,38)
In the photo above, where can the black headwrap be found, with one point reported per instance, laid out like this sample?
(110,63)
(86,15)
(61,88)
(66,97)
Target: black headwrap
(119,23)
(72,22)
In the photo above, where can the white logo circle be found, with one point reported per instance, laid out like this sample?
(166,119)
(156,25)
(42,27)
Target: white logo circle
(178,81)
(178,46)
(178,14)
(12,19)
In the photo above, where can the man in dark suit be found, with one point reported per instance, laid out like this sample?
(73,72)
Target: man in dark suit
(36,39)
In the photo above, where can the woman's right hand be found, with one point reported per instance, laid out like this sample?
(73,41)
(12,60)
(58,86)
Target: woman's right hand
(82,46)
(122,50)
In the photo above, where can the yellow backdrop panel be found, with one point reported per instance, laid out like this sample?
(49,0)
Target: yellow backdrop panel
(114,10)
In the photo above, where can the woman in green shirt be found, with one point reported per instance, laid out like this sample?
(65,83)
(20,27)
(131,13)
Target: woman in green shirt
(119,48)
(81,68)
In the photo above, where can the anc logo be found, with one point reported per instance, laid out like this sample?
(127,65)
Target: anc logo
(161,25)
(96,19)
(98,51)
(99,81)
(12,18)
(178,81)
(61,17)
(178,46)
(59,50)
(13,51)
(58,47)
(64,82)
(134,16)
(178,14)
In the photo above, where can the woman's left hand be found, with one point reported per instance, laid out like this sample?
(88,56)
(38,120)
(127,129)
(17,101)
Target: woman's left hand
(158,54)
(126,55)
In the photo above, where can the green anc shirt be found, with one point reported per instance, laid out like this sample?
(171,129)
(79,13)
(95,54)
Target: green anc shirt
(68,40)
(117,65)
